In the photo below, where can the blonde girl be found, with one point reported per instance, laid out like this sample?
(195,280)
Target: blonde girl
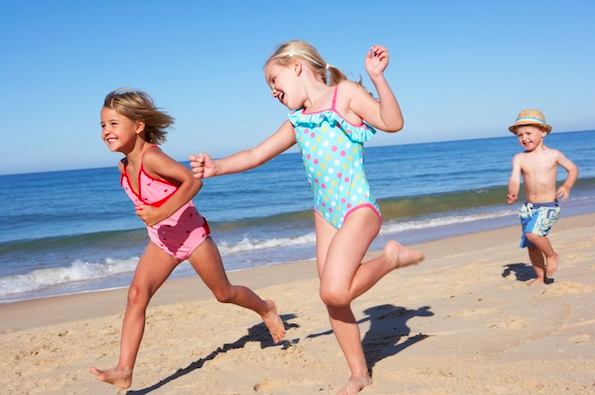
(327,122)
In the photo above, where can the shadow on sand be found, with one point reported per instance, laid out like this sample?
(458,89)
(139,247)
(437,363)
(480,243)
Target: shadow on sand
(257,333)
(522,272)
(388,325)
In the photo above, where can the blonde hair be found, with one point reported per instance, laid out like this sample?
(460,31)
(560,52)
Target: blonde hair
(305,52)
(139,106)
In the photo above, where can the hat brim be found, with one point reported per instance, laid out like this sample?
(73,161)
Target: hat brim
(544,126)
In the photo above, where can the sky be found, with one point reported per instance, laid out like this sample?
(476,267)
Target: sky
(460,69)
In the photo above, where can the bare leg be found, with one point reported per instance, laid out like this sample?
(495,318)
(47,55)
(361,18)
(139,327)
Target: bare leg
(544,245)
(348,336)
(538,262)
(343,277)
(206,260)
(153,268)
(350,244)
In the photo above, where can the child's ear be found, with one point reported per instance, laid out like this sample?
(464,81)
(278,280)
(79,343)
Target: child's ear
(297,66)
(140,127)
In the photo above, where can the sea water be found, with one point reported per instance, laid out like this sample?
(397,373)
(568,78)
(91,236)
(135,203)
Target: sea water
(75,231)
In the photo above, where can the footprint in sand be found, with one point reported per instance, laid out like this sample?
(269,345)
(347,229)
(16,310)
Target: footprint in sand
(267,385)
(570,259)
(509,323)
(568,288)
(476,313)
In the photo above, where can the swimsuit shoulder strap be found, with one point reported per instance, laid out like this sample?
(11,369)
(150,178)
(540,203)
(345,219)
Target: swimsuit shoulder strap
(335,97)
(142,160)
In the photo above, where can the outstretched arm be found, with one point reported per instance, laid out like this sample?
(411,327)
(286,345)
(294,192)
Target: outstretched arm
(564,190)
(203,166)
(384,113)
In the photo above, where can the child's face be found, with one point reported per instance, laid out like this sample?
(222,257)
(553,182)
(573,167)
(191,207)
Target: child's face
(530,137)
(284,82)
(118,131)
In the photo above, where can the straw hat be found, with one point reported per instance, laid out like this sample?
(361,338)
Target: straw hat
(530,117)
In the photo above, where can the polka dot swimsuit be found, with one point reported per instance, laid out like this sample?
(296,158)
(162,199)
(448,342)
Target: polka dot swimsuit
(333,154)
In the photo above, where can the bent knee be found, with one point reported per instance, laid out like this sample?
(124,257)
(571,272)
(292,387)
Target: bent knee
(335,297)
(225,295)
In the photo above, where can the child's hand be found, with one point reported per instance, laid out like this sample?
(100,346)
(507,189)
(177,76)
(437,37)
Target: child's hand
(148,214)
(203,166)
(376,60)
(511,198)
(563,193)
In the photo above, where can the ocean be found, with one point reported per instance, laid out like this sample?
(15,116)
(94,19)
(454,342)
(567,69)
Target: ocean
(75,231)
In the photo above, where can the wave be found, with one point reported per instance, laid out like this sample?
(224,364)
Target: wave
(77,271)
(444,221)
(62,264)
(104,240)
(247,245)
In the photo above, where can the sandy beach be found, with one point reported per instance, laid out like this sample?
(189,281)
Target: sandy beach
(462,322)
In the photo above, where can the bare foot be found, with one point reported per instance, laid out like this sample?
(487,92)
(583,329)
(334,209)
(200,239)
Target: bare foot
(399,256)
(355,385)
(273,322)
(552,264)
(119,378)
(535,281)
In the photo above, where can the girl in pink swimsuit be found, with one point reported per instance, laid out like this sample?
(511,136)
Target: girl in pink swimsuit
(162,191)
(327,123)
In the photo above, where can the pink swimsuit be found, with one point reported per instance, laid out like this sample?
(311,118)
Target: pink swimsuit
(178,235)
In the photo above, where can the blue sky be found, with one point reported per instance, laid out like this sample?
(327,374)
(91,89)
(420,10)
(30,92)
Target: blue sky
(460,69)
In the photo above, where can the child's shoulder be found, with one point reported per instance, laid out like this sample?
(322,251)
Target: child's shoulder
(122,165)
(348,87)
(153,156)
(554,151)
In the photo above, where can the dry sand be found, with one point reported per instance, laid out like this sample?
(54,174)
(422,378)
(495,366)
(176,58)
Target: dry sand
(462,322)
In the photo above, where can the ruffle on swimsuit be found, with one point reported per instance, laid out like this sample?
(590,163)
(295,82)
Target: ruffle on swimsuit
(356,134)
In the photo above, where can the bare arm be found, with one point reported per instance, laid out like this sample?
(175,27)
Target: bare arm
(564,190)
(203,166)
(514,183)
(159,165)
(384,113)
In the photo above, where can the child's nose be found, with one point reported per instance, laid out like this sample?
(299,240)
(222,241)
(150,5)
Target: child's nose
(275,93)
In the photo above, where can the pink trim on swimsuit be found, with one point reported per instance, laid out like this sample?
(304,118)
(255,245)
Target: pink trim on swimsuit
(181,233)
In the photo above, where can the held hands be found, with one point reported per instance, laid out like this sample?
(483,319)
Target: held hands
(376,60)
(203,166)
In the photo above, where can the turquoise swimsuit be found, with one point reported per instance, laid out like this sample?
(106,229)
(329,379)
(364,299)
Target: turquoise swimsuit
(333,153)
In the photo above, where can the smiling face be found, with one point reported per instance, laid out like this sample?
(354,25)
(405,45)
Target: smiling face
(530,137)
(118,131)
(285,83)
